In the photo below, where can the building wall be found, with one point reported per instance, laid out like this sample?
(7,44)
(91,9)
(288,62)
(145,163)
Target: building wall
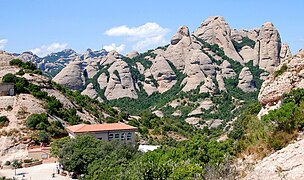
(123,136)
(7,89)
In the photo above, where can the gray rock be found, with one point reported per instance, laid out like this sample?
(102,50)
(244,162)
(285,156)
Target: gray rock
(71,76)
(122,85)
(179,47)
(215,30)
(163,74)
(132,54)
(246,82)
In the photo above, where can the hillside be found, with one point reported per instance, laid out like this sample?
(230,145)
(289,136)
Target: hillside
(36,95)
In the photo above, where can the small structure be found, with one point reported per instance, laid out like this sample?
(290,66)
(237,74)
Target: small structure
(107,132)
(39,152)
(146,148)
(7,89)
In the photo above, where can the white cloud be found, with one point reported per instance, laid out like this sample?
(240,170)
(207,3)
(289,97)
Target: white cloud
(47,49)
(113,46)
(3,43)
(145,36)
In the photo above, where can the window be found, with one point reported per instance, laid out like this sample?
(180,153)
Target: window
(129,136)
(123,136)
(110,137)
(116,136)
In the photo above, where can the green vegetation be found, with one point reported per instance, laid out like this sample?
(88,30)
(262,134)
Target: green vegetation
(276,129)
(112,160)
(117,74)
(27,67)
(3,121)
(280,71)
(46,129)
(245,42)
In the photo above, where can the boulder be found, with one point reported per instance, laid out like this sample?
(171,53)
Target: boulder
(227,70)
(90,91)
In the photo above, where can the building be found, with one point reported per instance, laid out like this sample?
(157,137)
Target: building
(107,132)
(7,89)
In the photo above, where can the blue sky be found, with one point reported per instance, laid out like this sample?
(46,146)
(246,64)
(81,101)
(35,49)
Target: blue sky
(44,26)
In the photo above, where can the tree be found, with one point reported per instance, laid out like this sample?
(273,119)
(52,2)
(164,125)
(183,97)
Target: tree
(16,164)
(37,121)
(76,154)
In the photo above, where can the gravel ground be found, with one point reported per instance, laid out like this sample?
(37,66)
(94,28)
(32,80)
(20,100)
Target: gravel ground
(40,172)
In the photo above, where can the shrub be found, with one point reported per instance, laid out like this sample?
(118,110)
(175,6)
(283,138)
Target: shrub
(280,71)
(37,121)
(16,62)
(27,160)
(7,163)
(4,121)
(20,72)
(9,78)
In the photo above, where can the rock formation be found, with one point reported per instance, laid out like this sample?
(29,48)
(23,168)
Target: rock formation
(246,82)
(71,76)
(274,87)
(179,47)
(269,45)
(163,74)
(132,54)
(120,82)
(215,30)
(286,163)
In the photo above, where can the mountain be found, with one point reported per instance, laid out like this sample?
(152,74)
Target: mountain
(213,64)
(200,56)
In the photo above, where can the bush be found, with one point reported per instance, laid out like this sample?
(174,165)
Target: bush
(7,163)
(4,121)
(37,121)
(280,71)
(16,62)
(20,72)
(9,78)
(27,160)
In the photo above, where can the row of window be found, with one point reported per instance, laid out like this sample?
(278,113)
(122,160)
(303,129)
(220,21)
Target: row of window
(121,136)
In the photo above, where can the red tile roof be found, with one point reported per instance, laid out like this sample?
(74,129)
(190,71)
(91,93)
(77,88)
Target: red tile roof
(99,127)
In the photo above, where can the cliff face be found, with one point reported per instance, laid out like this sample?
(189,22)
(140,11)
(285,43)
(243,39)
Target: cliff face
(289,75)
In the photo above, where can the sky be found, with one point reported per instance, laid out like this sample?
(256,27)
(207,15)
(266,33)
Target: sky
(45,26)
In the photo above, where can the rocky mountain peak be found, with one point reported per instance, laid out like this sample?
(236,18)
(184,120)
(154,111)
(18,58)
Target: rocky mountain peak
(215,30)
(132,54)
(268,25)
(181,32)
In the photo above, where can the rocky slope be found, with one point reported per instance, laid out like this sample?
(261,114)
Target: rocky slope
(289,75)
(286,163)
(15,137)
